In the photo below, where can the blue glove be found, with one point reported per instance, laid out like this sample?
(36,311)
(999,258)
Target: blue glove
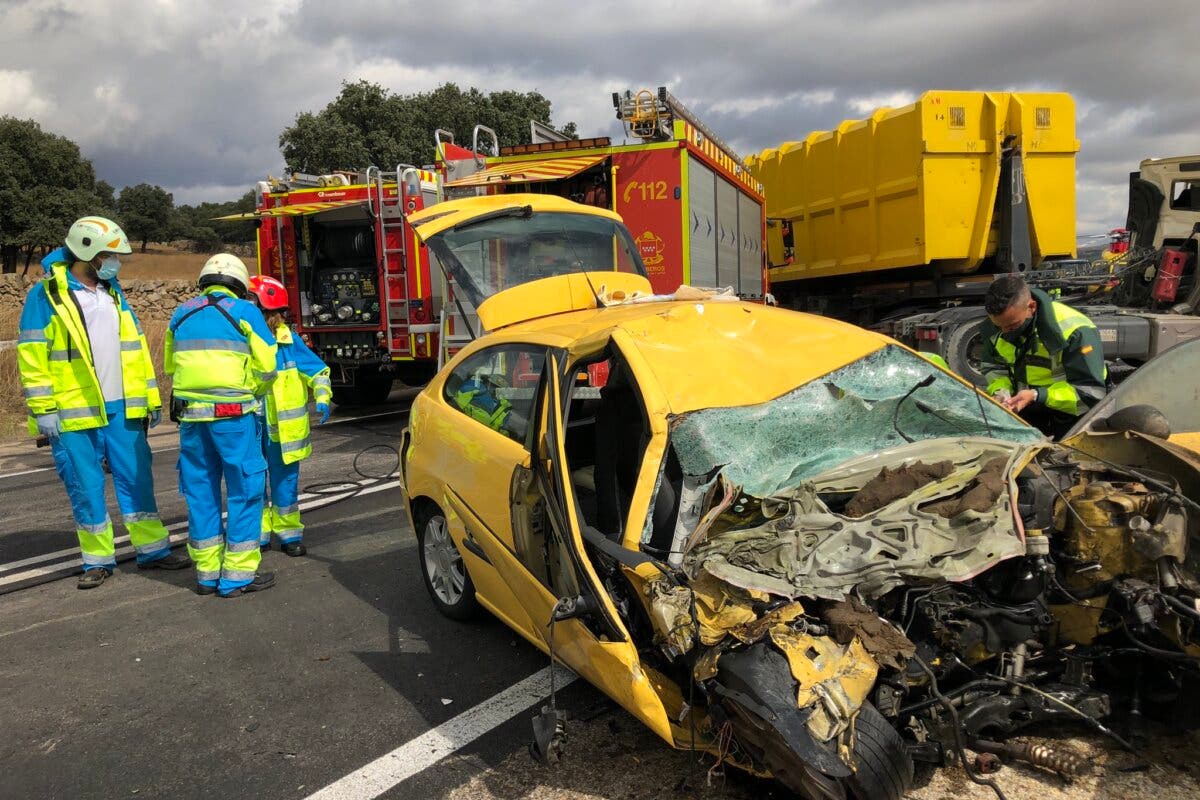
(155,417)
(323,410)
(47,425)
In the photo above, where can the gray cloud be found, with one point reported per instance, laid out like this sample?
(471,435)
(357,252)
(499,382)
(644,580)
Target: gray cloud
(193,95)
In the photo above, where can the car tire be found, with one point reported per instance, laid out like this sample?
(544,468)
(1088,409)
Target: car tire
(882,766)
(963,349)
(446,577)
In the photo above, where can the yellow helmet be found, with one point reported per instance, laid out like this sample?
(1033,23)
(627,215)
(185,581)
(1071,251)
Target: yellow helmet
(88,237)
(225,269)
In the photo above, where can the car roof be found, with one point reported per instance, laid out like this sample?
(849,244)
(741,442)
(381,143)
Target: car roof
(711,353)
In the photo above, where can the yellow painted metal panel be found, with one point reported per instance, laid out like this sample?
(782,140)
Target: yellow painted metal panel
(917,185)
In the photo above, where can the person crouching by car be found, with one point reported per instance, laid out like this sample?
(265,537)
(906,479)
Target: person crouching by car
(285,437)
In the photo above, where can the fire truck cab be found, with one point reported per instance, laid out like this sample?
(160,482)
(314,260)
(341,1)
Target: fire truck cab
(359,282)
(692,206)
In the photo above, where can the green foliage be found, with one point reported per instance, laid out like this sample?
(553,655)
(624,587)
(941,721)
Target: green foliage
(366,124)
(45,185)
(197,224)
(145,212)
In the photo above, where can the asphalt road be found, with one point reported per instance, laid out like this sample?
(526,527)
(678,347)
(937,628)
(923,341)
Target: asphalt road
(342,678)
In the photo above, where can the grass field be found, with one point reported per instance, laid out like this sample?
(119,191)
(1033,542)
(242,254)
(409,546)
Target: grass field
(163,262)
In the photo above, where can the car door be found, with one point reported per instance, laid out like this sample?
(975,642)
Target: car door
(481,426)
(552,576)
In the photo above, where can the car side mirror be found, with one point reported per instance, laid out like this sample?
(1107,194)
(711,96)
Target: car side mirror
(1141,418)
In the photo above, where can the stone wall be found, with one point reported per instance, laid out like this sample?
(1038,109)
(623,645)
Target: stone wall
(150,299)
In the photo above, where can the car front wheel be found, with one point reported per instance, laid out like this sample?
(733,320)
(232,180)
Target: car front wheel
(442,566)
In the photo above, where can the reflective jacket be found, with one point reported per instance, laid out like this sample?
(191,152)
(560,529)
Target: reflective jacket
(298,369)
(1061,357)
(54,354)
(218,356)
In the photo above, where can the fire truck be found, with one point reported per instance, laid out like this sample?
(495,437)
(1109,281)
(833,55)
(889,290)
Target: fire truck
(692,205)
(361,290)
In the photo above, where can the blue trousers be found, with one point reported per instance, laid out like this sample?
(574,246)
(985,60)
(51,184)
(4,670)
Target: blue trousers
(78,457)
(225,551)
(281,514)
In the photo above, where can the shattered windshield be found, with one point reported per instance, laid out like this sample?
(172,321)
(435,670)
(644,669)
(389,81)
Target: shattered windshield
(850,412)
(488,255)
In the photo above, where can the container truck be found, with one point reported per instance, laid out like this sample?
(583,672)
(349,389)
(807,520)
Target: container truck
(901,220)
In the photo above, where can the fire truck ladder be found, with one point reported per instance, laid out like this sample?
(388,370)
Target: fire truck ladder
(390,216)
(459,323)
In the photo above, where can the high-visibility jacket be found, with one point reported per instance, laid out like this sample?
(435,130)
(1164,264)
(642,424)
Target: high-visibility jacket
(219,353)
(54,355)
(1061,358)
(298,369)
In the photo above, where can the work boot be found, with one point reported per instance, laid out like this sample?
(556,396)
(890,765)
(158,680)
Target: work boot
(201,589)
(169,561)
(294,549)
(263,580)
(91,578)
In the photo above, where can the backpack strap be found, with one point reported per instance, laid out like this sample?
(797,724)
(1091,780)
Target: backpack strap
(210,302)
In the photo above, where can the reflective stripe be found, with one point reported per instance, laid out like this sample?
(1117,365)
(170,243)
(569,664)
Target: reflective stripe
(289,365)
(28,335)
(90,560)
(321,381)
(140,516)
(152,384)
(95,528)
(285,510)
(204,544)
(299,444)
(221,392)
(79,413)
(231,345)
(265,376)
(292,413)
(153,547)
(131,346)
(135,402)
(207,575)
(39,391)
(239,574)
(65,355)
(241,547)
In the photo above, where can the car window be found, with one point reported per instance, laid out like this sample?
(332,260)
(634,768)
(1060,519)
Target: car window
(496,388)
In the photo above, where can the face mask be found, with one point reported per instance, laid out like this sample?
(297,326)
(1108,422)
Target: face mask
(108,268)
(1019,333)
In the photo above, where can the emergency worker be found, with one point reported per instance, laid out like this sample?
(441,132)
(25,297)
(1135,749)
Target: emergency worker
(222,359)
(1042,359)
(90,389)
(477,398)
(285,435)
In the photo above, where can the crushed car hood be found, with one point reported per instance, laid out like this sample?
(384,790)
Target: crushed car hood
(802,543)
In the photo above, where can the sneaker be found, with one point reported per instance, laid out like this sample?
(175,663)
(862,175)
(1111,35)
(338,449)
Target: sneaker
(169,561)
(91,578)
(263,580)
(294,549)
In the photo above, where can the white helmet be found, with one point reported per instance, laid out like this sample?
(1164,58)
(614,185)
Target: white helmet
(91,236)
(225,269)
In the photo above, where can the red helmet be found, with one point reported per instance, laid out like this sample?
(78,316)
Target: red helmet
(269,291)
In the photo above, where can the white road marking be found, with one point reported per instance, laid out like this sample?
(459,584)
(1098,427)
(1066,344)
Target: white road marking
(317,501)
(429,748)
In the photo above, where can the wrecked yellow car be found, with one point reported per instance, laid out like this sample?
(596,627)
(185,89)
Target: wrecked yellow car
(779,538)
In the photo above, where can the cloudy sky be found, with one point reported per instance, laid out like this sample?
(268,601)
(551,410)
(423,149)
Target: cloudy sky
(192,95)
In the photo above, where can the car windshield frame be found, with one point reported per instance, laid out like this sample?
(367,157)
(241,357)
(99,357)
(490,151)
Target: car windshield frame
(562,233)
(829,420)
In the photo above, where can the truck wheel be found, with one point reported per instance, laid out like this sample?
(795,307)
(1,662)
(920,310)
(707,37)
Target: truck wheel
(446,578)
(964,351)
(371,387)
(882,765)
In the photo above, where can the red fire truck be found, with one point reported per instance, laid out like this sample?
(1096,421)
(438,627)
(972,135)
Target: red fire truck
(691,204)
(361,289)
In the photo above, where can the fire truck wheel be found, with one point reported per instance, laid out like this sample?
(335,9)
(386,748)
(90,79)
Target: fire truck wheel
(371,387)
